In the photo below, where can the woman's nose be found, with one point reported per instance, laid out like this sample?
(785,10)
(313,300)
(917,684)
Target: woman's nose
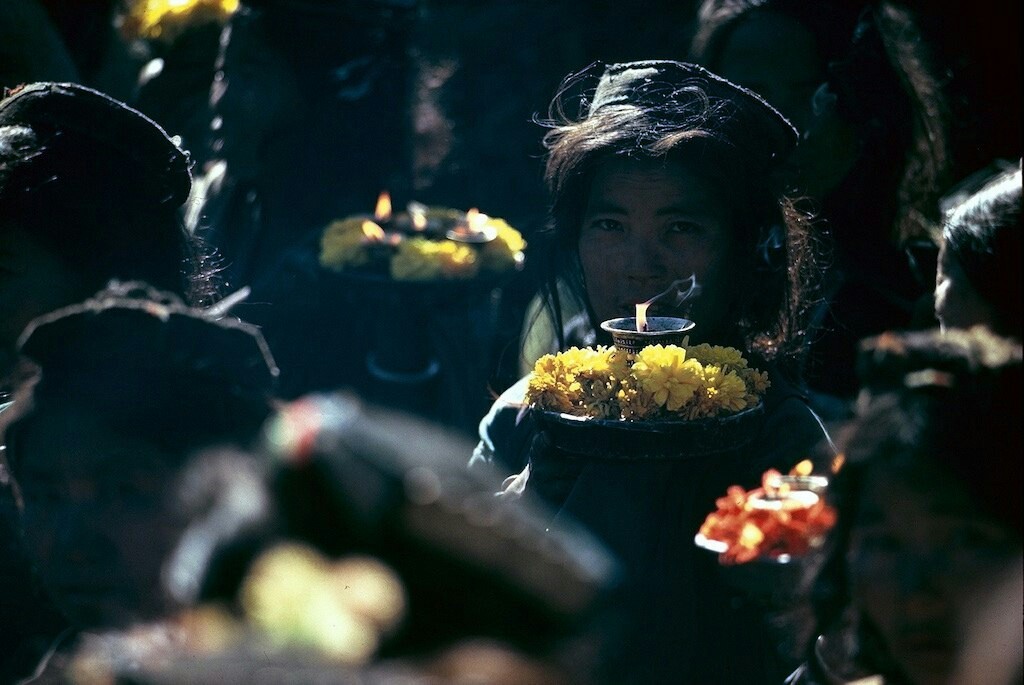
(644,259)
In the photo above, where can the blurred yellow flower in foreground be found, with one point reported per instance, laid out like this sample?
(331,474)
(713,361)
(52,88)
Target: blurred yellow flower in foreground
(343,609)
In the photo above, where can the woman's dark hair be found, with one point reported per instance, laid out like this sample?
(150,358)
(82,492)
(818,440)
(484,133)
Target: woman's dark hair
(984,235)
(100,186)
(685,112)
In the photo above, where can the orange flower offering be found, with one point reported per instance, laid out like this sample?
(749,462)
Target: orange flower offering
(783,518)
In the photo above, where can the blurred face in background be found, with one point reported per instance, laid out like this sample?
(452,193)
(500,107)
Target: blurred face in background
(648,223)
(777,57)
(921,557)
(97,516)
(957,303)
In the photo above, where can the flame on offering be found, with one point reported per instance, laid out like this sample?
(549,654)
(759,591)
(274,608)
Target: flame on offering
(475,220)
(382,212)
(419,219)
(804,468)
(474,227)
(373,232)
(641,317)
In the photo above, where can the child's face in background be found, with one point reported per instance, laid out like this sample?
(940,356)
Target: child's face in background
(920,556)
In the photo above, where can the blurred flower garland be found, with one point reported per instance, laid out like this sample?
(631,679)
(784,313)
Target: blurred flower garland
(344,246)
(659,382)
(164,20)
(744,528)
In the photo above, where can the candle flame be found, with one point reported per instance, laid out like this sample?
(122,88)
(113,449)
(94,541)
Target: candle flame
(373,232)
(476,220)
(804,468)
(383,210)
(419,220)
(641,317)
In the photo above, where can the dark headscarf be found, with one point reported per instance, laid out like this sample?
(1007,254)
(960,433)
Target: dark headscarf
(79,122)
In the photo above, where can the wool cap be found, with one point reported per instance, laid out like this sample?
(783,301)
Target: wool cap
(77,122)
(679,94)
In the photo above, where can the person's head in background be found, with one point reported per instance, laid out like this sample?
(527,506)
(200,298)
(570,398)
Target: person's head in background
(347,483)
(978,280)
(668,174)
(129,384)
(306,90)
(856,79)
(930,499)
(90,191)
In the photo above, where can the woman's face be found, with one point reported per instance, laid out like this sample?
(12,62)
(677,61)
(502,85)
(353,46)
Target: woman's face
(957,303)
(648,223)
(920,558)
(777,57)
(97,518)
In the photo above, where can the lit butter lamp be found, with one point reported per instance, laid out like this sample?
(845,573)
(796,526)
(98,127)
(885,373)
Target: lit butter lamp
(381,230)
(379,243)
(633,333)
(474,229)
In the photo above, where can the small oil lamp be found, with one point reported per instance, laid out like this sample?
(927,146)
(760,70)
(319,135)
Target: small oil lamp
(418,218)
(633,333)
(474,229)
(379,243)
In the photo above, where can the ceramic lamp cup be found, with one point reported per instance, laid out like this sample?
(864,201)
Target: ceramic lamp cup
(661,330)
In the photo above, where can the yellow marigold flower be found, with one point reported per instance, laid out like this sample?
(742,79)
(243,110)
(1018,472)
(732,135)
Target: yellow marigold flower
(718,355)
(545,391)
(757,381)
(729,392)
(619,364)
(668,375)
(342,245)
(604,409)
(505,252)
(590,361)
(547,364)
(635,404)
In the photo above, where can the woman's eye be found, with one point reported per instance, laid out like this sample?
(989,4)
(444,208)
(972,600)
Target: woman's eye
(606,225)
(683,227)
